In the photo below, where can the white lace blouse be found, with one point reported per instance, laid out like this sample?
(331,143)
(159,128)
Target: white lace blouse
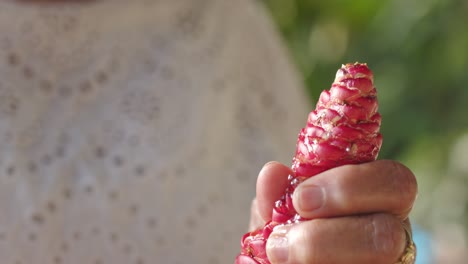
(132,132)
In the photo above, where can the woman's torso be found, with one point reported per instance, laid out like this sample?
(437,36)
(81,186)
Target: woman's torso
(132,131)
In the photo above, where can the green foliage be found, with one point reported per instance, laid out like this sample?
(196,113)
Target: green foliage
(417,49)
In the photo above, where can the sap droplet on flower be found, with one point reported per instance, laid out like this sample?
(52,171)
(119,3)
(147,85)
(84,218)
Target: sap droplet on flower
(279,203)
(295,182)
(297,218)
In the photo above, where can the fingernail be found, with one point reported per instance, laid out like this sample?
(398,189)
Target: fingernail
(309,197)
(278,244)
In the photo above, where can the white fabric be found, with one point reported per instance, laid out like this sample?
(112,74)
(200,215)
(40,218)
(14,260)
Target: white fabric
(133,131)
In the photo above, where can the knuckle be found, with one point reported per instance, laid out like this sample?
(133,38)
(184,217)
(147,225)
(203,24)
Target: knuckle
(387,238)
(404,183)
(343,188)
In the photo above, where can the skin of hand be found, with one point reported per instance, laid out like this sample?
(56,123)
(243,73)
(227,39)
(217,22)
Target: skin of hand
(356,211)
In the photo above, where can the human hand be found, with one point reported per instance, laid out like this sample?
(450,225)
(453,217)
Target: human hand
(358,213)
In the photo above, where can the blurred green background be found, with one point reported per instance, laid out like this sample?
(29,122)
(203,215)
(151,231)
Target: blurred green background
(418,50)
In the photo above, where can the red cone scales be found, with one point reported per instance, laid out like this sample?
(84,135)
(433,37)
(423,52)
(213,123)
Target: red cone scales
(343,129)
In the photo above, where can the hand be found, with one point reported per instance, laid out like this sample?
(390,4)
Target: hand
(357,213)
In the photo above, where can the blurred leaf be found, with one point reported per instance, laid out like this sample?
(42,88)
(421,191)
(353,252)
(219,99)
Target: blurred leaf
(417,49)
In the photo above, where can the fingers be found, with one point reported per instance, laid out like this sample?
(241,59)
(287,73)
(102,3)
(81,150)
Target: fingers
(271,183)
(377,238)
(256,221)
(380,186)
